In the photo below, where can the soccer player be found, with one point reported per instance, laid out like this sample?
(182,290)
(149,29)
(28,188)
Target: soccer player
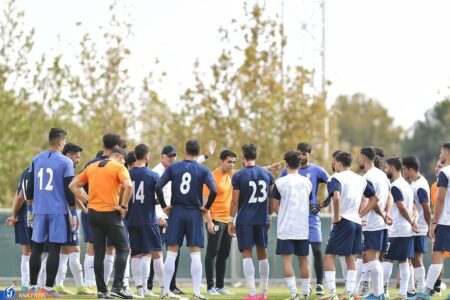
(219,241)
(48,203)
(347,190)
(185,213)
(70,252)
(290,201)
(106,179)
(374,226)
(401,233)
(421,191)
(440,227)
(251,189)
(22,232)
(317,175)
(145,237)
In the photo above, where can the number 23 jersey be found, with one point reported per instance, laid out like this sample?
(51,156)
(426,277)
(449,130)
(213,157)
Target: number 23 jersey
(253,184)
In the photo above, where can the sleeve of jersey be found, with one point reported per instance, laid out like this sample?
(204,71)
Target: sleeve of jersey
(442,180)
(276,193)
(69,195)
(283,173)
(396,194)
(29,191)
(272,179)
(422,195)
(83,176)
(123,174)
(68,169)
(235,182)
(333,185)
(210,183)
(165,178)
(370,190)
(323,175)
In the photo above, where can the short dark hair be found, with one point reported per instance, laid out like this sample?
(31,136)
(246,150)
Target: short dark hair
(446,146)
(111,140)
(335,153)
(304,147)
(71,148)
(120,151)
(379,151)
(396,162)
(378,160)
(123,144)
(249,151)
(226,153)
(292,159)
(193,147)
(140,151)
(99,153)
(368,152)
(411,162)
(56,135)
(130,159)
(345,158)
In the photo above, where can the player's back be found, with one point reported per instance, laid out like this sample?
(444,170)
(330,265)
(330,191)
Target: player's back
(400,226)
(187,177)
(253,183)
(381,185)
(141,208)
(49,170)
(421,193)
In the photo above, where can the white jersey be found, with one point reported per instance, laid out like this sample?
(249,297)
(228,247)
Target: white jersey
(400,226)
(381,185)
(443,180)
(293,214)
(352,189)
(421,193)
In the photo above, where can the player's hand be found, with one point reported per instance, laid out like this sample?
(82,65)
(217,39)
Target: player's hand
(337,221)
(415,228)
(203,210)
(430,233)
(122,211)
(11,221)
(162,223)
(275,167)
(432,230)
(231,229)
(388,220)
(167,210)
(211,147)
(210,227)
(314,209)
(30,219)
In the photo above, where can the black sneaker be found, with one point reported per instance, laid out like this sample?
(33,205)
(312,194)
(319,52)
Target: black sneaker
(121,293)
(319,290)
(177,291)
(105,295)
(410,294)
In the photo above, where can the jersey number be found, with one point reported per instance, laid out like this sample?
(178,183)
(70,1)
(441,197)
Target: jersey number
(263,186)
(185,183)
(49,185)
(139,194)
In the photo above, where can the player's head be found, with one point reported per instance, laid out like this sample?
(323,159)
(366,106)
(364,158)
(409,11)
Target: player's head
(192,148)
(343,161)
(72,151)
(168,155)
(118,154)
(250,152)
(411,166)
(292,159)
(227,160)
(130,160)
(393,167)
(366,157)
(112,140)
(438,167)
(333,159)
(57,138)
(444,156)
(123,144)
(142,152)
(379,158)
(99,153)
(305,151)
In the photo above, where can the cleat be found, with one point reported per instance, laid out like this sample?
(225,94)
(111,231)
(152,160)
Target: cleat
(149,293)
(177,291)
(199,297)
(364,288)
(60,289)
(106,295)
(296,297)
(83,290)
(169,295)
(212,291)
(123,293)
(224,291)
(319,290)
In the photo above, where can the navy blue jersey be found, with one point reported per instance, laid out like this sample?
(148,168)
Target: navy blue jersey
(141,208)
(253,184)
(46,174)
(187,177)
(21,185)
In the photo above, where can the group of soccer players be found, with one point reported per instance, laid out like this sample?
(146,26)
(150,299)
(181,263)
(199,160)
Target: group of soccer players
(380,214)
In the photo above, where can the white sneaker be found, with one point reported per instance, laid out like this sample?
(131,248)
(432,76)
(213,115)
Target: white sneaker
(212,291)
(169,295)
(140,293)
(224,291)
(149,293)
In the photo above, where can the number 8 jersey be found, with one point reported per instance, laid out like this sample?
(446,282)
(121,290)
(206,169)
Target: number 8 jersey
(253,184)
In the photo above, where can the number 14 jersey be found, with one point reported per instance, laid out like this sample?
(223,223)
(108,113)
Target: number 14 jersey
(253,184)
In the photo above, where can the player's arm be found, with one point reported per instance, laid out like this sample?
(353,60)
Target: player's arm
(163,180)
(398,199)
(439,204)
(275,199)
(211,148)
(29,188)
(76,186)
(207,215)
(369,193)
(16,205)
(274,167)
(334,189)
(424,200)
(212,190)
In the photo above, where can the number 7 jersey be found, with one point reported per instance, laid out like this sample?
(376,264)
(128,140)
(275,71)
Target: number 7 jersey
(253,184)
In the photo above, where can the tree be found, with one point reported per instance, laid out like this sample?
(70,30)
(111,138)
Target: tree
(363,121)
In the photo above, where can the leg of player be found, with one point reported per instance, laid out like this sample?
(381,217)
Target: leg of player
(77,270)
(387,272)
(25,267)
(304,275)
(318,265)
(109,263)
(249,273)
(263,271)
(419,269)
(169,269)
(89,275)
(196,270)
(136,272)
(212,249)
(405,273)
(43,270)
(35,263)
(330,275)
(362,285)
(437,260)
(289,275)
(350,282)
(221,259)
(375,270)
(62,271)
(158,267)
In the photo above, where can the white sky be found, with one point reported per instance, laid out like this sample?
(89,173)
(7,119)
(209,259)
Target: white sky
(394,51)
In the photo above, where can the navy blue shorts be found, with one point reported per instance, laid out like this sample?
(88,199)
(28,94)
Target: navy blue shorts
(441,238)
(54,228)
(374,240)
(297,247)
(345,239)
(400,248)
(22,233)
(87,231)
(249,236)
(420,243)
(144,239)
(185,222)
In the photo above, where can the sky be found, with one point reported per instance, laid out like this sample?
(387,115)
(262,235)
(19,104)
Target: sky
(393,51)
